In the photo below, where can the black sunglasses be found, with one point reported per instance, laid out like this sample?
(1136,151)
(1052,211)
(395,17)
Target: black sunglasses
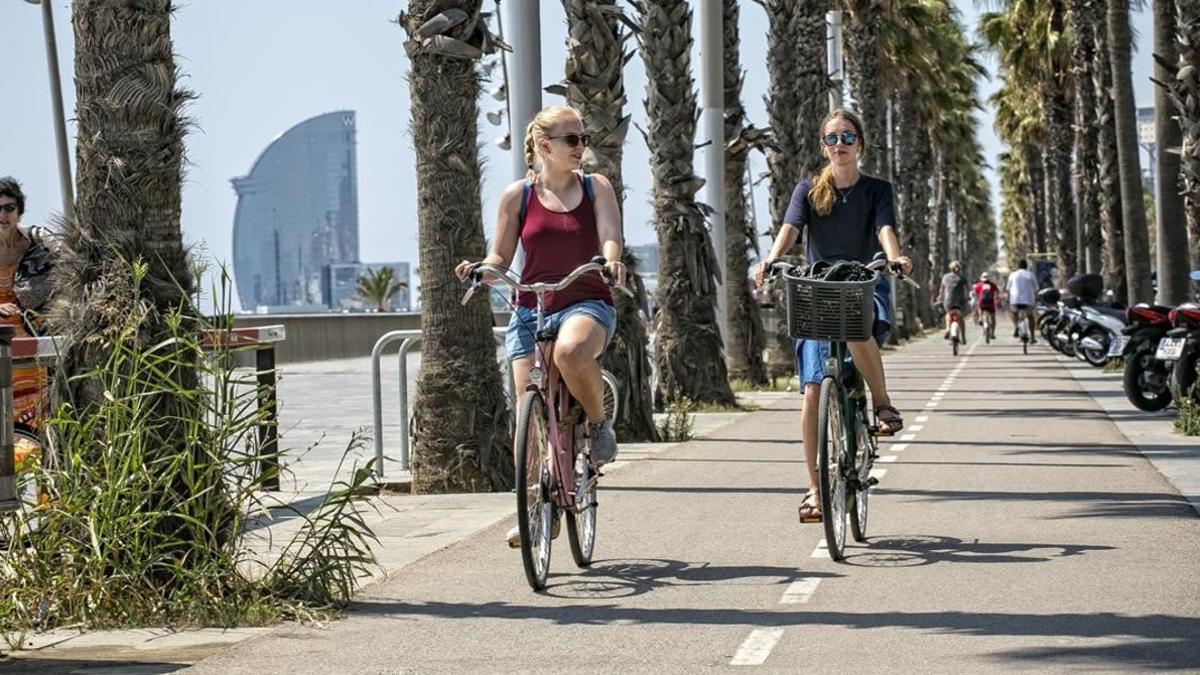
(574,140)
(848,138)
(8,208)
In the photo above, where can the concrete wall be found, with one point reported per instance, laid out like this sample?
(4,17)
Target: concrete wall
(319,337)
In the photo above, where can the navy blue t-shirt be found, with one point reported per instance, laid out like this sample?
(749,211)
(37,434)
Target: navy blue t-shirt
(850,231)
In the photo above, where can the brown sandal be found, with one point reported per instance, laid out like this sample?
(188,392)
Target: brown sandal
(888,424)
(810,508)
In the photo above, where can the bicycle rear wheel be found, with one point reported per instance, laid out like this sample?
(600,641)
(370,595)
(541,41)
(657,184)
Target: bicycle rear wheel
(535,508)
(831,446)
(860,497)
(612,401)
(581,525)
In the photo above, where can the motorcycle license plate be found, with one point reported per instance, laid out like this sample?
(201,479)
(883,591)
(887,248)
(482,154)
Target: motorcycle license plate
(1169,349)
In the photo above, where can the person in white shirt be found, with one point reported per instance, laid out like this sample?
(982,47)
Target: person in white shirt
(1021,294)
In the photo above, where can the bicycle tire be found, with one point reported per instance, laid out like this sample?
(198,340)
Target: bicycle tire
(954,344)
(612,399)
(535,510)
(1024,346)
(860,500)
(830,454)
(581,527)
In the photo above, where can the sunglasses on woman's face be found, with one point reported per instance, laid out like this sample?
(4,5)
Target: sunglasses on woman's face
(848,138)
(8,208)
(574,140)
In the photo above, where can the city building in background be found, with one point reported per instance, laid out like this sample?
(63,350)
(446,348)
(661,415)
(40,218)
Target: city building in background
(339,286)
(1145,129)
(297,214)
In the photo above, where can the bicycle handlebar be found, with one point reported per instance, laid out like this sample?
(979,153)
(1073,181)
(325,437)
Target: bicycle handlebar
(888,269)
(511,280)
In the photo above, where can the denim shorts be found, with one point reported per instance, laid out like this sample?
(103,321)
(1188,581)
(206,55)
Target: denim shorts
(811,354)
(523,324)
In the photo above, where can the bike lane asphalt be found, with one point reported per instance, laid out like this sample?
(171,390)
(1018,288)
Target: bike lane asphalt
(1014,528)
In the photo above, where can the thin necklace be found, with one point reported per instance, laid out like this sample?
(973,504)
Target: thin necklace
(850,189)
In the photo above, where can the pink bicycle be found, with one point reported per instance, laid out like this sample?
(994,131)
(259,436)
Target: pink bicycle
(554,471)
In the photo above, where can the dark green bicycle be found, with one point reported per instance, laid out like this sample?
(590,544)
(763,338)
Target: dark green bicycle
(836,304)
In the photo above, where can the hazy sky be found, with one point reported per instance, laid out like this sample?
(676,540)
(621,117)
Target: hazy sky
(261,66)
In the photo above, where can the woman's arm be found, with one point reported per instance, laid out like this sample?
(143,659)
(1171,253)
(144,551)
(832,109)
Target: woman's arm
(608,226)
(891,248)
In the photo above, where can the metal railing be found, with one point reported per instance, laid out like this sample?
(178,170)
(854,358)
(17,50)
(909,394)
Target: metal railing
(410,339)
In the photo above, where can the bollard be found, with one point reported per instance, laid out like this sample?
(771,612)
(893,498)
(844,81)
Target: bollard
(8,478)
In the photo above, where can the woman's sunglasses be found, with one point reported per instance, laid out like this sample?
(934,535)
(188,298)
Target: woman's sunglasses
(574,140)
(848,138)
(8,208)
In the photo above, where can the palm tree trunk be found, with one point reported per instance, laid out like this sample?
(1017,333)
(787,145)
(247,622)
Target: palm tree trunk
(129,174)
(744,340)
(1137,253)
(690,362)
(1173,283)
(596,88)
(862,66)
(796,103)
(460,416)
(1057,161)
(1108,170)
(1035,169)
(1184,88)
(1087,212)
(915,166)
(941,212)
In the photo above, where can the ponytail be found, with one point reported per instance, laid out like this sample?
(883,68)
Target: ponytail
(530,153)
(821,194)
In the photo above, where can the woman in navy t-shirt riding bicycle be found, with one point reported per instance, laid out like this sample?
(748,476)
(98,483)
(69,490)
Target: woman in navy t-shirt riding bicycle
(849,216)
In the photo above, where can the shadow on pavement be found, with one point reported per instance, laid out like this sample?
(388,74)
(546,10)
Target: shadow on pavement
(1091,504)
(88,666)
(921,550)
(623,578)
(1155,641)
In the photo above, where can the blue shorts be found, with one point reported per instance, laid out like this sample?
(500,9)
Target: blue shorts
(523,324)
(812,354)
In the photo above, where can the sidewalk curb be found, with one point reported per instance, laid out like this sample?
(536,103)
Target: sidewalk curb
(1175,457)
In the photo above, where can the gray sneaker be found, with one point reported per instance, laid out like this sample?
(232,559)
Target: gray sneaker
(603,442)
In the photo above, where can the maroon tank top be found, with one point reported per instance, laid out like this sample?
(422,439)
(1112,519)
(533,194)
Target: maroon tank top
(555,244)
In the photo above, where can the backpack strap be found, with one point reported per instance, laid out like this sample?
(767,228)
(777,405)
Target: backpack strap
(525,196)
(589,189)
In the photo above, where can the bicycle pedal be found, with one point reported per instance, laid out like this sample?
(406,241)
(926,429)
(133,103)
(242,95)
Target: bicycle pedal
(872,481)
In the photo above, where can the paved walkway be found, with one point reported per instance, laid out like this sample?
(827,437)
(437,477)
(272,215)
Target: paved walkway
(1016,527)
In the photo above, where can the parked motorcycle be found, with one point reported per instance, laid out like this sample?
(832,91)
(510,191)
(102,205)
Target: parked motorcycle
(1181,348)
(1146,379)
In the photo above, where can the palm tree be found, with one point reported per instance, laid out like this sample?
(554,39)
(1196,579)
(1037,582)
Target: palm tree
(1171,228)
(1137,253)
(744,335)
(1087,198)
(690,362)
(863,45)
(595,86)
(796,102)
(1108,170)
(1184,90)
(128,181)
(379,287)
(460,432)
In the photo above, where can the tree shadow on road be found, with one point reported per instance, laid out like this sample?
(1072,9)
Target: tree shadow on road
(629,577)
(1088,504)
(1159,641)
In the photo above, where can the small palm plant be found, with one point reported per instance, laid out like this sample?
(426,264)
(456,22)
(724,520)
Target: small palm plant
(379,287)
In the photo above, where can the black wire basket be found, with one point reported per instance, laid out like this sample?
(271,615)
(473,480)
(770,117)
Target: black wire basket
(837,311)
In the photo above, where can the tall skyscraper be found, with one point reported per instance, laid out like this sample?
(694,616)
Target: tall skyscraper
(297,212)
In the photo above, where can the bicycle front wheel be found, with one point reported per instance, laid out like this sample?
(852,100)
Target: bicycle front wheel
(535,508)
(861,496)
(831,453)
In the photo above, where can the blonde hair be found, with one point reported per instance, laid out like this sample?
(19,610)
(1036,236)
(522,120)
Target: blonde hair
(821,194)
(538,129)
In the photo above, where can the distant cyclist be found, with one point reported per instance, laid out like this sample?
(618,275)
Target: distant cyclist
(1021,294)
(953,296)
(986,295)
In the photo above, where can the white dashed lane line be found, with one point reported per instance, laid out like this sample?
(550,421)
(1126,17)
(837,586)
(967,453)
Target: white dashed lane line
(799,591)
(757,647)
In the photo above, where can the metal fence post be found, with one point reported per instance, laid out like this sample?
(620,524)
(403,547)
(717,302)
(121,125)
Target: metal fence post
(268,428)
(8,478)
